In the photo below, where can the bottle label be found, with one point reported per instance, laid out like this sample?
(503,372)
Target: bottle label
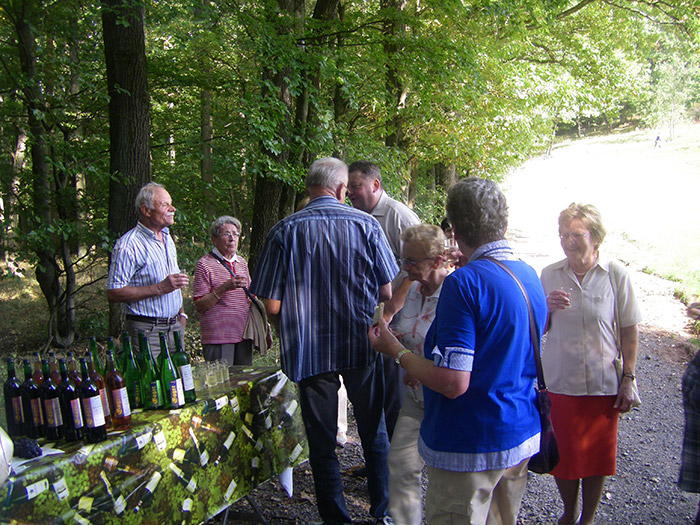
(105,403)
(119,505)
(137,393)
(229,440)
(37,488)
(17,413)
(192,485)
(220,402)
(94,412)
(204,458)
(159,440)
(80,520)
(295,453)
(187,505)
(85,503)
(187,379)
(53,413)
(120,397)
(178,455)
(230,489)
(37,416)
(142,440)
(292,407)
(153,483)
(259,445)
(76,412)
(177,394)
(61,489)
(234,404)
(156,393)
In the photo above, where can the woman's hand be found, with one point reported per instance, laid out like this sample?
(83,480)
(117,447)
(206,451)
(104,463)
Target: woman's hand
(383,340)
(625,395)
(558,300)
(411,381)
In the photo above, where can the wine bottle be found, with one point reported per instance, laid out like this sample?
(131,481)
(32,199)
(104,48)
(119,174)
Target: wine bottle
(37,373)
(111,348)
(73,372)
(182,362)
(98,379)
(141,357)
(117,394)
(31,404)
(114,493)
(111,464)
(186,511)
(170,378)
(58,483)
(13,401)
(53,420)
(53,368)
(201,450)
(19,493)
(187,480)
(225,448)
(96,362)
(132,374)
(148,490)
(95,426)
(150,378)
(159,437)
(69,398)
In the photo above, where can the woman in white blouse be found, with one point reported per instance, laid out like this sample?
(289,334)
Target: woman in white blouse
(424,261)
(587,297)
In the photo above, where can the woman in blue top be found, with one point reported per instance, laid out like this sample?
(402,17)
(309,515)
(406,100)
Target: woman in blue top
(481,426)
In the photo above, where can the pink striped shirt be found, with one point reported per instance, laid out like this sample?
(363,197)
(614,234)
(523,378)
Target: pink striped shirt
(225,321)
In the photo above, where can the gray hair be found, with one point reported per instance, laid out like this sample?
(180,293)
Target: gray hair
(145,196)
(430,238)
(478,211)
(589,216)
(367,169)
(220,221)
(327,172)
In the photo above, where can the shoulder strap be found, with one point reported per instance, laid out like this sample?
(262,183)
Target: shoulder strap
(247,292)
(614,275)
(533,327)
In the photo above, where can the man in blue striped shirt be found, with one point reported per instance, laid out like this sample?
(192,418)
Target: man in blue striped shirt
(144,275)
(322,272)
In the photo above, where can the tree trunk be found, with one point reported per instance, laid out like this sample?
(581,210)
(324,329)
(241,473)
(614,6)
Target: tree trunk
(207,162)
(129,147)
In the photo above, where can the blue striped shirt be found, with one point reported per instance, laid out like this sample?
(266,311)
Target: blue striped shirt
(139,259)
(325,264)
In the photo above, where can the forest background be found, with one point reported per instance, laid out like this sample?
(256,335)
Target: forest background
(228,103)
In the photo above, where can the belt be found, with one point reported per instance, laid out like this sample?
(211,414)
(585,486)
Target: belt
(152,320)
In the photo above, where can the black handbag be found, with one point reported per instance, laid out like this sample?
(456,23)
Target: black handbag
(548,456)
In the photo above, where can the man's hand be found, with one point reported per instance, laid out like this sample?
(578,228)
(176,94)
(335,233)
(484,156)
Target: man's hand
(173,282)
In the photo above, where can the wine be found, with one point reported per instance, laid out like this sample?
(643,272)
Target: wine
(170,378)
(117,393)
(53,420)
(95,425)
(69,398)
(37,373)
(31,404)
(13,401)
(73,372)
(182,362)
(132,374)
(150,378)
(53,368)
(98,379)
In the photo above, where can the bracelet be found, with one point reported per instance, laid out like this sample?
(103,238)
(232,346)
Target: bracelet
(215,295)
(627,374)
(401,354)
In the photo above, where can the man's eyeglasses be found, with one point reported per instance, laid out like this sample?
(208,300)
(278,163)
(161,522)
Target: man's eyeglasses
(230,235)
(574,236)
(410,262)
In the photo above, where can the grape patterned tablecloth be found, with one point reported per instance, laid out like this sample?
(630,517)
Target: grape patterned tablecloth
(179,466)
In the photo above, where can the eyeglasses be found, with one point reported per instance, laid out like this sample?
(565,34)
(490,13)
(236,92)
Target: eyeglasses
(410,262)
(230,235)
(574,236)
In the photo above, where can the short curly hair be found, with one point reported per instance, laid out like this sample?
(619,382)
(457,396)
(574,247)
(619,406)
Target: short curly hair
(478,211)
(589,216)
(430,238)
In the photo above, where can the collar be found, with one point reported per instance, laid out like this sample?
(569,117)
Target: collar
(150,233)
(381,206)
(500,250)
(233,259)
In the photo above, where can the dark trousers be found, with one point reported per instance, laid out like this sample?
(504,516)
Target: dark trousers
(318,396)
(394,391)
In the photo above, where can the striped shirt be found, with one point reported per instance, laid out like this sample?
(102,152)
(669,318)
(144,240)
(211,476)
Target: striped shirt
(325,264)
(224,322)
(140,259)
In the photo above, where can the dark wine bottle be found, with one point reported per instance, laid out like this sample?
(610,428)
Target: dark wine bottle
(95,426)
(170,378)
(31,404)
(53,368)
(73,372)
(132,374)
(115,494)
(53,420)
(13,401)
(200,448)
(117,394)
(186,479)
(98,379)
(147,494)
(224,448)
(69,398)
(182,361)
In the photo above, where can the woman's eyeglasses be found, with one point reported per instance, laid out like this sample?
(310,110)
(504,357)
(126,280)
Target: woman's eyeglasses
(574,236)
(410,262)
(230,235)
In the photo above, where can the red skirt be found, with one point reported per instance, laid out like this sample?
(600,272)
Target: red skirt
(586,430)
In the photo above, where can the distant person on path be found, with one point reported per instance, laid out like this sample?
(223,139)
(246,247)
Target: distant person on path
(481,425)
(585,296)
(223,305)
(322,271)
(366,193)
(689,478)
(144,275)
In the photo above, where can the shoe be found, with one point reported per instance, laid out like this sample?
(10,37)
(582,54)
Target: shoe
(386,520)
(358,471)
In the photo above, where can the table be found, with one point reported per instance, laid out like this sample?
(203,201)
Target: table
(178,466)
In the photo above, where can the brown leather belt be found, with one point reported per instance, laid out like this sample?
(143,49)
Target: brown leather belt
(152,320)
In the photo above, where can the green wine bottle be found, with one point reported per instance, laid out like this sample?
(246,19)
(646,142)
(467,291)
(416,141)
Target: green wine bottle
(182,362)
(132,374)
(170,378)
(96,362)
(151,386)
(141,358)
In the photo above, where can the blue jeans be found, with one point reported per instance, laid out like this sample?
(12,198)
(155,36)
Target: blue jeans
(318,397)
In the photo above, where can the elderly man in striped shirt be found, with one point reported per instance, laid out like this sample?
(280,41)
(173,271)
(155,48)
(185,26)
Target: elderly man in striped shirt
(144,275)
(322,271)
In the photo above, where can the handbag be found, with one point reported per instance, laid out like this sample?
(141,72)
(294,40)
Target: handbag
(548,456)
(613,274)
(257,328)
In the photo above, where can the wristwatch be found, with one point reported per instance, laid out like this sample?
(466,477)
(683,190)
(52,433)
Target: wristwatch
(183,314)
(401,354)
